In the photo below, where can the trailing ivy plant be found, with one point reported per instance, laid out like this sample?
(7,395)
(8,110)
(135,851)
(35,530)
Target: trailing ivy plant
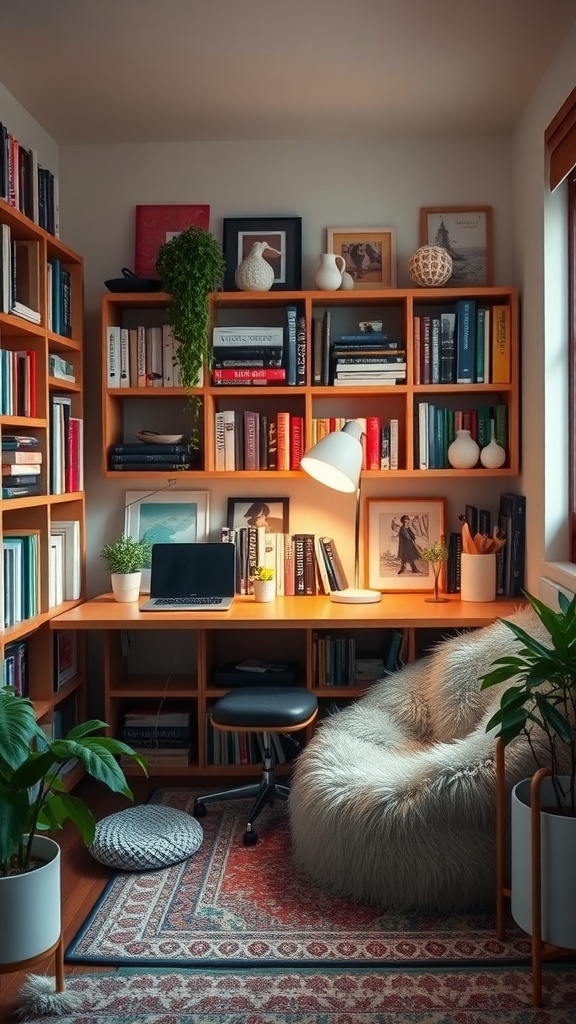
(190,266)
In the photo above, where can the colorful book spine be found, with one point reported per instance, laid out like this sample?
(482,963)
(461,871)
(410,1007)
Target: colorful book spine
(465,341)
(501,343)
(291,345)
(250,375)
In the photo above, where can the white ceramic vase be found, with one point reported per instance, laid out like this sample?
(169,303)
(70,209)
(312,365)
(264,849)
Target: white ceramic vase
(347,282)
(254,273)
(493,455)
(126,585)
(558,879)
(463,452)
(329,274)
(30,906)
(264,590)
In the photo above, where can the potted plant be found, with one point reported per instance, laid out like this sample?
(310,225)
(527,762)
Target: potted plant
(32,800)
(125,559)
(190,266)
(541,706)
(435,554)
(264,586)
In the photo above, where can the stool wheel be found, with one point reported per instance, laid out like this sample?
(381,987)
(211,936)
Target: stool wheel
(249,838)
(199,810)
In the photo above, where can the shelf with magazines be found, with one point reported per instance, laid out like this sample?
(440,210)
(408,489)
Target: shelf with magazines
(293,359)
(42,510)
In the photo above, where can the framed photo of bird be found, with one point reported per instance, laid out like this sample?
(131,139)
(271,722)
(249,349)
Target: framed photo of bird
(369,254)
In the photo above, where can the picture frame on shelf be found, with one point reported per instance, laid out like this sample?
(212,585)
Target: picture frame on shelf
(272,513)
(397,529)
(65,657)
(369,254)
(282,233)
(169,517)
(154,225)
(466,234)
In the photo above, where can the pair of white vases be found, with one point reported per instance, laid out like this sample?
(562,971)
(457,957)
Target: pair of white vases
(332,274)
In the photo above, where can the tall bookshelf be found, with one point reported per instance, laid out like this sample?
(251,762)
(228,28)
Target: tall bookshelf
(29,412)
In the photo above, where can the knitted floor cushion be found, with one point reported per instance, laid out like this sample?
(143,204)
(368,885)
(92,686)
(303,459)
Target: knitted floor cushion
(146,837)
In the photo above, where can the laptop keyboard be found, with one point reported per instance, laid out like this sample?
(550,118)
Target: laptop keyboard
(189,602)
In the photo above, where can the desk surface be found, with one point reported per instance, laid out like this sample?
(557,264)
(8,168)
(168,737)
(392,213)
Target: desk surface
(400,610)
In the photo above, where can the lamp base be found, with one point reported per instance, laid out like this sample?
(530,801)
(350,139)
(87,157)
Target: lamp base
(354,595)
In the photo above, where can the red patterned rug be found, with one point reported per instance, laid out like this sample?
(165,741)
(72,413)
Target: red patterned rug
(312,996)
(231,905)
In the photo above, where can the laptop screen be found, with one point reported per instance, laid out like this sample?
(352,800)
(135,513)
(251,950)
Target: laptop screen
(192,570)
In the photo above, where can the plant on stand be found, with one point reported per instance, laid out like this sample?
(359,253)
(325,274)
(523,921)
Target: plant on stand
(125,559)
(435,554)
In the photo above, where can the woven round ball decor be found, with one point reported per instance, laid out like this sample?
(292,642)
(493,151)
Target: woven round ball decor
(146,837)
(430,266)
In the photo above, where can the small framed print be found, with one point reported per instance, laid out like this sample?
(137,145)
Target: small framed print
(281,233)
(176,517)
(397,531)
(272,513)
(155,225)
(369,253)
(466,234)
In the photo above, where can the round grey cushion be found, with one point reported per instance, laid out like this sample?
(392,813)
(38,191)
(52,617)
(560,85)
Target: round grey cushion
(145,837)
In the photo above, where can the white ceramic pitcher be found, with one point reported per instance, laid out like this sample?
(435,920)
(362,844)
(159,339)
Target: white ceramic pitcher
(329,274)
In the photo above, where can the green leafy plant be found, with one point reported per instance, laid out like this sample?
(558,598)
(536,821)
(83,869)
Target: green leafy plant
(544,696)
(126,555)
(190,266)
(262,572)
(436,555)
(32,796)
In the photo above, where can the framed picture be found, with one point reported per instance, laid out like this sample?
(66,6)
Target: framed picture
(370,254)
(466,233)
(282,233)
(273,513)
(155,225)
(66,657)
(175,517)
(397,531)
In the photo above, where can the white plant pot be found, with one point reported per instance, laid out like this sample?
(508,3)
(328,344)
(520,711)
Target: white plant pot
(30,906)
(126,585)
(558,856)
(264,590)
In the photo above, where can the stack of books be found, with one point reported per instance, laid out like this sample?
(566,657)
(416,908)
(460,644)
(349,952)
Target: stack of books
(368,357)
(138,456)
(248,355)
(21,466)
(163,737)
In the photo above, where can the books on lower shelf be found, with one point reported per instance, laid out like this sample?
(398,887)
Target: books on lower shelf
(66,447)
(22,462)
(162,735)
(435,428)
(252,440)
(21,575)
(467,343)
(67,565)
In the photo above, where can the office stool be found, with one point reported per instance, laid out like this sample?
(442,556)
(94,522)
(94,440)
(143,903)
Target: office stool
(265,710)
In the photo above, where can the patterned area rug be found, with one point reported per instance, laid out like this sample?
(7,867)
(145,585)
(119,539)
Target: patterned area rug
(355,996)
(231,905)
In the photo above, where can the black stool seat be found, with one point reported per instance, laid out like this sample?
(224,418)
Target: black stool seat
(266,710)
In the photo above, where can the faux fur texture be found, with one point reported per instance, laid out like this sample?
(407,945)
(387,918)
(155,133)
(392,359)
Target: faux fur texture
(393,800)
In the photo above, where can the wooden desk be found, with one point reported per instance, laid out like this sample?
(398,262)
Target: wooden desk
(287,629)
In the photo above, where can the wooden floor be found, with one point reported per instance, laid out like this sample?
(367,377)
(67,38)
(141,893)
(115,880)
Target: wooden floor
(83,879)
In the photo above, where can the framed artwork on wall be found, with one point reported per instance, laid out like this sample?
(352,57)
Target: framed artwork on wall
(466,234)
(281,233)
(155,225)
(175,517)
(272,513)
(369,253)
(397,530)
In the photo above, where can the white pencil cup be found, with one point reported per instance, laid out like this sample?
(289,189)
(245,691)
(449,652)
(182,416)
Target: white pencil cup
(478,577)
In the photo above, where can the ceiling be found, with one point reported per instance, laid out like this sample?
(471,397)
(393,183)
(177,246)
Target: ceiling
(108,71)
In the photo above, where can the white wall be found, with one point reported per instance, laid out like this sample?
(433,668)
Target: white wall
(374,183)
(540,267)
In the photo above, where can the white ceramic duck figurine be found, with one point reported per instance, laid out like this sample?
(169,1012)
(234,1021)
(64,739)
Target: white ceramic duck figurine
(254,273)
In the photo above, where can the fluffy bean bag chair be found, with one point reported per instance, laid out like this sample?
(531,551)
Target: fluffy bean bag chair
(393,800)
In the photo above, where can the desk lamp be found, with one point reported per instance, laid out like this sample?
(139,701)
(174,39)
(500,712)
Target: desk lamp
(336,461)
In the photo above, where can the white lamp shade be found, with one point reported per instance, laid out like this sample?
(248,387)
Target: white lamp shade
(336,459)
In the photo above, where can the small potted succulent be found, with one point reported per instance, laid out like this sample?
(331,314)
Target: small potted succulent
(264,585)
(125,559)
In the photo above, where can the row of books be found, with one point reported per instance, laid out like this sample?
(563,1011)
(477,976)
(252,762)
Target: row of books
(253,440)
(66,447)
(223,747)
(334,661)
(21,575)
(59,295)
(19,276)
(510,559)
(131,456)
(435,429)
(142,357)
(303,564)
(64,562)
(162,735)
(261,355)
(380,438)
(18,382)
(15,669)
(464,344)
(26,185)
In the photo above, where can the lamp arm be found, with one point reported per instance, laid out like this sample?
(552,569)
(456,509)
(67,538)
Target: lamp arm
(357,540)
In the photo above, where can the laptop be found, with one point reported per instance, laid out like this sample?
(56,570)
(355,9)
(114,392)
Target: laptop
(191,578)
